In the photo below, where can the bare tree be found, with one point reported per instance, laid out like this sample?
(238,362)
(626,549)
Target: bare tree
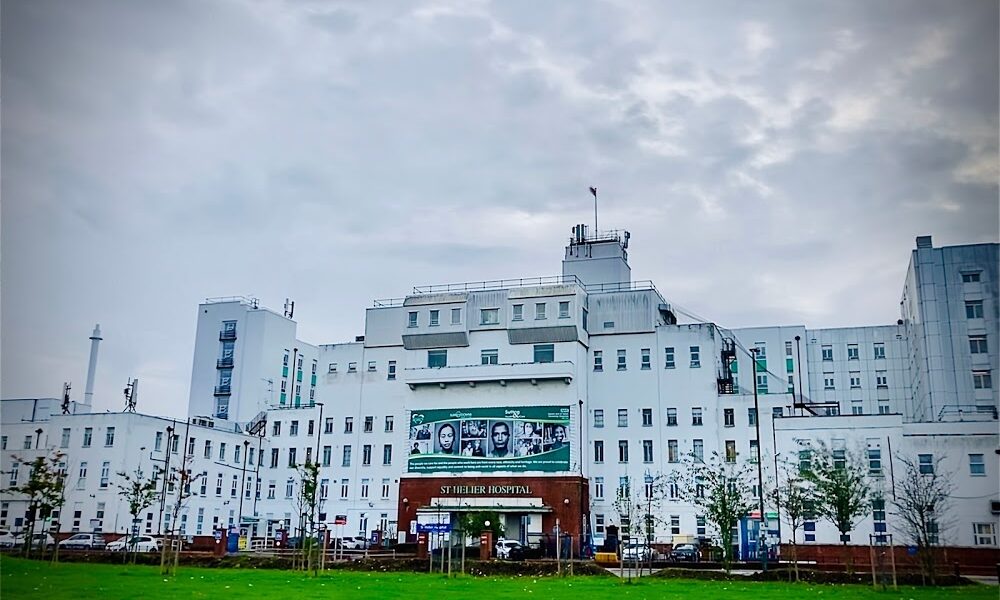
(794,495)
(840,480)
(182,479)
(724,492)
(306,502)
(920,505)
(44,490)
(139,493)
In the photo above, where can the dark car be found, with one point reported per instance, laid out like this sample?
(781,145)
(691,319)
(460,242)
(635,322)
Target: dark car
(685,553)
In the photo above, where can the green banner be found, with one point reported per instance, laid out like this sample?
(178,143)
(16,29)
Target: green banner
(529,438)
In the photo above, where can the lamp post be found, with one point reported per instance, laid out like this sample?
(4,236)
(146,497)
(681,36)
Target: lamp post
(649,520)
(243,480)
(761,531)
(166,475)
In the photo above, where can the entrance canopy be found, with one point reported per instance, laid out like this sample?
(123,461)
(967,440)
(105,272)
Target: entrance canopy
(518,505)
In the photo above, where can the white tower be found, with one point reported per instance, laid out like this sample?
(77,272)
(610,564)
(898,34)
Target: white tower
(95,341)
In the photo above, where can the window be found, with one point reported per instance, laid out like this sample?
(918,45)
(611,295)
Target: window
(881,380)
(878,349)
(730,451)
(751,416)
(517,312)
(668,354)
(623,451)
(598,360)
(366,455)
(105,473)
(852,352)
(878,515)
(327,455)
(647,417)
(855,380)
(392,370)
(208,449)
(791,384)
(598,418)
(387,454)
(291,457)
(762,383)
(344,488)
(973,309)
(695,356)
(157,444)
(977,467)
(293,428)
(972,277)
(276,429)
(623,417)
(985,534)
(564,310)
(673,455)
(598,451)
(827,352)
(64,443)
(345,460)
(883,408)
(696,416)
(647,451)
(698,449)
(274,458)
(109,438)
(857,410)
(489,316)
(331,368)
(369,424)
(385,489)
(456,316)
(875,461)
(599,488)
(599,524)
(621,360)
(413,320)
(435,319)
(805,461)
(671,417)
(728,417)
(352,367)
(348,424)
(539,311)
(777,412)
(645,359)
(926,464)
(699,523)
(980,380)
(328,425)
(828,382)
(437,358)
(545,353)
(977,344)
(489,357)
(754,451)
(389,423)
(371,366)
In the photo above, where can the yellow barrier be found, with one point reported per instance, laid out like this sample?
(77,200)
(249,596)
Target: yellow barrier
(606,558)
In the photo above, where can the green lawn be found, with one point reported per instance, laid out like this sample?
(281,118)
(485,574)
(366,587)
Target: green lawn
(20,579)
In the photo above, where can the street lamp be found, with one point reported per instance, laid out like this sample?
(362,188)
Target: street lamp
(761,530)
(648,477)
(243,479)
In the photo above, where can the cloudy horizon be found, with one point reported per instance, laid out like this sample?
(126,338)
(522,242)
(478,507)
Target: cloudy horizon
(773,161)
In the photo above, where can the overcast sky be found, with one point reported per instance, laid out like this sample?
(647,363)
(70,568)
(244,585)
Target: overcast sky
(773,161)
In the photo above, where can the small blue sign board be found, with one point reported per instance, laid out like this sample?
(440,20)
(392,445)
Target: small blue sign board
(433,527)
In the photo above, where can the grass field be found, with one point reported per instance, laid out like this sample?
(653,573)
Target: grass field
(21,579)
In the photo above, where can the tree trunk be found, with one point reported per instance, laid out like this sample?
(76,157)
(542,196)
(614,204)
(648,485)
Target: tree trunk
(795,558)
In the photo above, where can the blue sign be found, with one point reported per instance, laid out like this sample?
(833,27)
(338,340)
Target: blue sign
(433,527)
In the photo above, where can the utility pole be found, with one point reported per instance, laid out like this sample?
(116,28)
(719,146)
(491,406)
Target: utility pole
(761,530)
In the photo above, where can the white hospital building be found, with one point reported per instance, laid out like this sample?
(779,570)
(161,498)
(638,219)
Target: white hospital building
(537,398)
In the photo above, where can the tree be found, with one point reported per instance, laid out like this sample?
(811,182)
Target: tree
(921,503)
(181,479)
(840,482)
(723,491)
(795,497)
(306,503)
(44,490)
(139,493)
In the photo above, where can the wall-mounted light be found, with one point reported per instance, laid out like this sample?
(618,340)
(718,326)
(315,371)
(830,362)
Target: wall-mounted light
(406,500)
(566,501)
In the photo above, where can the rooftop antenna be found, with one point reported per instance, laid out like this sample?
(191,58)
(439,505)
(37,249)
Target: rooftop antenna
(131,395)
(593,191)
(289,308)
(67,386)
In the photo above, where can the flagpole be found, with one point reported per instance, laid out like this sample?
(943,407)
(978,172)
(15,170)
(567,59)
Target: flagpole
(593,191)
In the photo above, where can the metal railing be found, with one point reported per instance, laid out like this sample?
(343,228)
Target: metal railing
(498,284)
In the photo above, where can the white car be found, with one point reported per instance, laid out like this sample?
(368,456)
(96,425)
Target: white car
(634,551)
(504,547)
(140,543)
(7,539)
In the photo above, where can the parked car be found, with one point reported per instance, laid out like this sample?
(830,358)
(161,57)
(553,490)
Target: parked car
(139,543)
(636,551)
(504,547)
(685,553)
(7,539)
(83,541)
(39,540)
(358,542)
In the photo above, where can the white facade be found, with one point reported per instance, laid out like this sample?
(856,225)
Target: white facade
(642,390)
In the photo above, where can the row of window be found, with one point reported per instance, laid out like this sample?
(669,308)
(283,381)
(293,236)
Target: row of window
(853,352)
(88,438)
(352,367)
(669,360)
(328,425)
(854,379)
(488,316)
(327,456)
(673,451)
(697,416)
(543,353)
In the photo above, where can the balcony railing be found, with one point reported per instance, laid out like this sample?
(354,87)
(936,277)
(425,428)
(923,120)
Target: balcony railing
(227,334)
(224,363)
(502,373)
(223,390)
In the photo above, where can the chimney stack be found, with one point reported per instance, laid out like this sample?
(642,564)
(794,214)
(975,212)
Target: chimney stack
(95,342)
